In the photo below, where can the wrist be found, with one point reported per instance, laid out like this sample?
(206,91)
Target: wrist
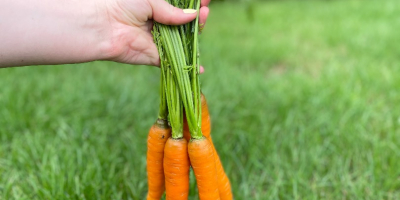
(41,32)
(110,29)
(95,22)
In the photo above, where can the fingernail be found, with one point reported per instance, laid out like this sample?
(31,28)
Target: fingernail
(189,11)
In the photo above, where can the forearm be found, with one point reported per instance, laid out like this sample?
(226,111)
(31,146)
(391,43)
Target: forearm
(34,32)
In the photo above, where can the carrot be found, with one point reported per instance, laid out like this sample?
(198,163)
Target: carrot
(205,118)
(158,135)
(224,185)
(201,156)
(179,59)
(176,158)
(176,169)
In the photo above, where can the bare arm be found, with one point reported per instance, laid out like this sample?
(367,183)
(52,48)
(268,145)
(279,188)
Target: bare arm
(34,32)
(50,32)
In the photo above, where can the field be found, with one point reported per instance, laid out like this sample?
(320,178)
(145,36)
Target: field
(304,98)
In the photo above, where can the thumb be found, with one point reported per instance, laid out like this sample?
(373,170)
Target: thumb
(165,13)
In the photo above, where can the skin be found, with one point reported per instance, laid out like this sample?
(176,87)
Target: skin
(41,32)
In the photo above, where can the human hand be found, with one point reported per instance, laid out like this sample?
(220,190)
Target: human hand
(61,32)
(130,23)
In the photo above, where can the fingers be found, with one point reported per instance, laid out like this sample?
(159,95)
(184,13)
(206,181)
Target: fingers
(165,13)
(203,17)
(204,2)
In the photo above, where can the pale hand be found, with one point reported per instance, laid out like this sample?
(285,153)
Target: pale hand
(131,25)
(40,32)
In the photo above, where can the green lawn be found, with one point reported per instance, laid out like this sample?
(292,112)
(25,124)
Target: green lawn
(304,103)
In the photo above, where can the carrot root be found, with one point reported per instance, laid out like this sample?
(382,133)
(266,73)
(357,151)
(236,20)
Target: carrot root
(176,169)
(224,186)
(158,135)
(201,156)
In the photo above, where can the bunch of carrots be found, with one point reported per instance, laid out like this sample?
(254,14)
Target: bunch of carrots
(180,138)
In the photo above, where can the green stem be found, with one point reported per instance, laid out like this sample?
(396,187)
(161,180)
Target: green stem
(172,79)
(188,101)
(184,40)
(181,80)
(191,4)
(195,79)
(174,103)
(174,49)
(163,111)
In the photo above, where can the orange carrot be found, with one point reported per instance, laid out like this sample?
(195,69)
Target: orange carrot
(201,156)
(224,185)
(205,118)
(176,169)
(158,135)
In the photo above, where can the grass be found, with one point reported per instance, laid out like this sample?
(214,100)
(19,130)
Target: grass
(304,102)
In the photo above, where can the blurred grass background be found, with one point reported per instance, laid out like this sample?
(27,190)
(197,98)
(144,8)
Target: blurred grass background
(303,96)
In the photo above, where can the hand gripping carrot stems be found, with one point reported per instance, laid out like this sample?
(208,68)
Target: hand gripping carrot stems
(190,145)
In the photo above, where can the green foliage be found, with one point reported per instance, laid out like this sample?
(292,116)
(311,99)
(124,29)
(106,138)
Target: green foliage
(304,105)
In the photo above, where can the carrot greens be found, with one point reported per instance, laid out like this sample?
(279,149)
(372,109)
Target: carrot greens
(179,60)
